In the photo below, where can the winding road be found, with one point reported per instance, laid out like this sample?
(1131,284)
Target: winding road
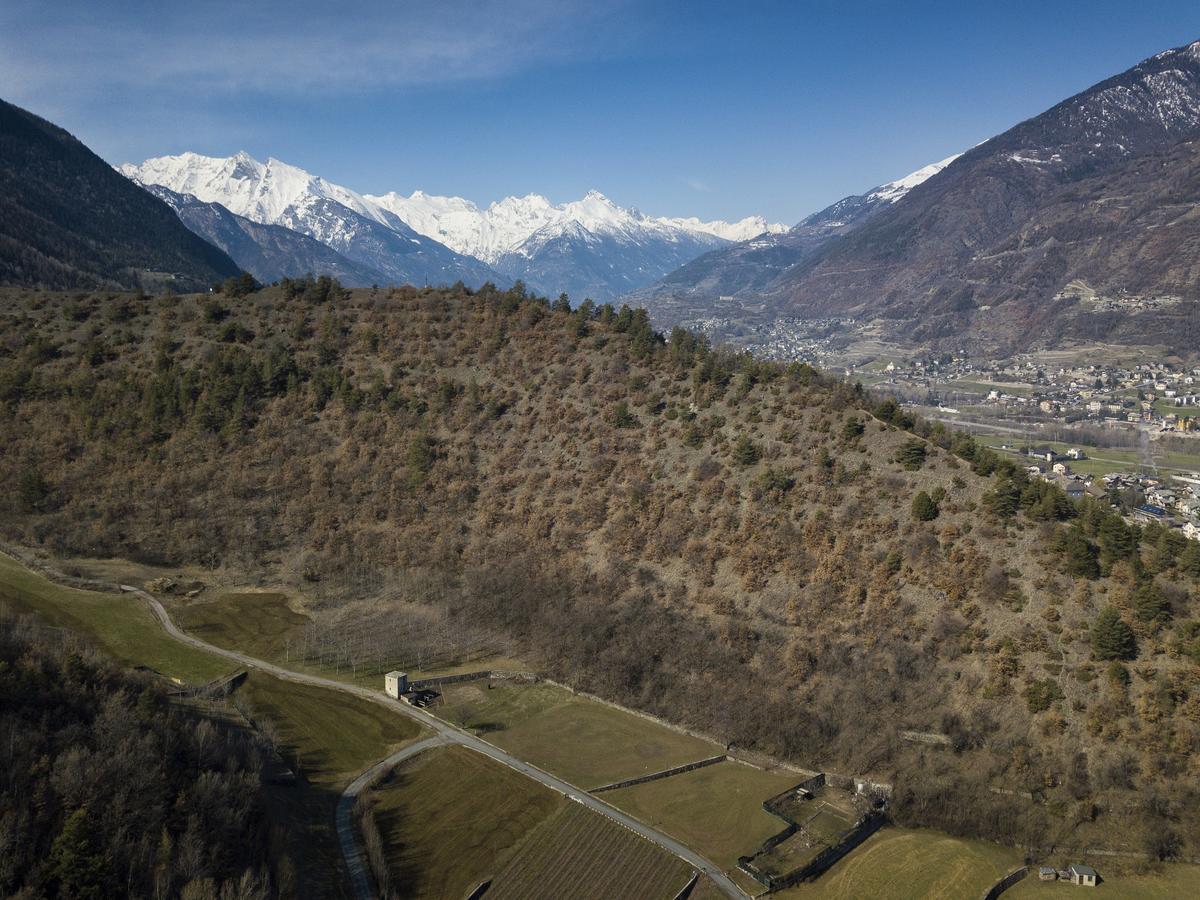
(443,733)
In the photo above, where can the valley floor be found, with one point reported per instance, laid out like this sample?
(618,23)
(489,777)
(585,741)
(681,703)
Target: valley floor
(451,819)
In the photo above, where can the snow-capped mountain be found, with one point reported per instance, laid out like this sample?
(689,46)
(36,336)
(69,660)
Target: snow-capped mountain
(589,247)
(268,252)
(693,291)
(489,234)
(1100,190)
(275,193)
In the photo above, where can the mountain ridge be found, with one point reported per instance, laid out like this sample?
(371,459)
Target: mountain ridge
(980,254)
(67,220)
(621,250)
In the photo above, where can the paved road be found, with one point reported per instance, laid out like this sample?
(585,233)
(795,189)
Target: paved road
(449,734)
(352,850)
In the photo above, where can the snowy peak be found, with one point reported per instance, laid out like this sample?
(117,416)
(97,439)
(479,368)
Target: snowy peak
(512,223)
(894,190)
(425,237)
(261,192)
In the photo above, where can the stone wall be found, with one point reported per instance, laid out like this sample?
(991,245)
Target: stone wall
(1005,883)
(655,776)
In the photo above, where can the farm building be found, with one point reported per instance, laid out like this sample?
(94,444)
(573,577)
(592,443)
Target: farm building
(1083,875)
(1047,873)
(395,684)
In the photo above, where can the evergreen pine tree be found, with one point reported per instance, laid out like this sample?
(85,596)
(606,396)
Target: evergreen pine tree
(1111,637)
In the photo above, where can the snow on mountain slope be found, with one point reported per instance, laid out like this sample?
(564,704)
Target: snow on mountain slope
(261,192)
(449,237)
(894,190)
(489,234)
(275,193)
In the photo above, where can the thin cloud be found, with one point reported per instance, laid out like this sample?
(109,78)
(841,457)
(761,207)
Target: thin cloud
(290,49)
(697,185)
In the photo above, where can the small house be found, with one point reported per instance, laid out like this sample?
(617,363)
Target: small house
(1083,875)
(395,684)
(1047,873)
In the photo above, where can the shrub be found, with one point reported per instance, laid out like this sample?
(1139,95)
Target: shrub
(1040,694)
(923,508)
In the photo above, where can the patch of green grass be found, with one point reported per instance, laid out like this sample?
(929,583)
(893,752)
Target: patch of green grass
(904,864)
(452,818)
(328,735)
(260,624)
(1165,407)
(580,854)
(1167,883)
(717,809)
(586,742)
(120,624)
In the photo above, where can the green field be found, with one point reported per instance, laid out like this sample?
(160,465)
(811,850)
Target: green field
(582,855)
(1165,407)
(903,864)
(1102,460)
(716,810)
(1168,883)
(587,743)
(452,818)
(253,622)
(121,625)
(331,736)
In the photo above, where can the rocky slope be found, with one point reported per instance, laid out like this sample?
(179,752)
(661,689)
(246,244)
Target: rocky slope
(744,270)
(268,252)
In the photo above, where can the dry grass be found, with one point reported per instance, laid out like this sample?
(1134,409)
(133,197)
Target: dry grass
(716,810)
(901,864)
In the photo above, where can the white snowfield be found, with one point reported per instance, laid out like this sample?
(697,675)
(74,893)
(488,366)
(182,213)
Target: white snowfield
(277,193)
(894,190)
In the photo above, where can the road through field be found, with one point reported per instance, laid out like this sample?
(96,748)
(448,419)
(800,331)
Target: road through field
(447,734)
(351,848)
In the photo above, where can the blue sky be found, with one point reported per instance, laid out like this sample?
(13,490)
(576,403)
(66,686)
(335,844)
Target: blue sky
(678,108)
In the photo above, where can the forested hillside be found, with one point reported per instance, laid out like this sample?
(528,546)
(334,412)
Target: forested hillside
(746,548)
(69,220)
(110,790)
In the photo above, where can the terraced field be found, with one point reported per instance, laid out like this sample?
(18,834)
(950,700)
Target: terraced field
(579,855)
(254,622)
(329,736)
